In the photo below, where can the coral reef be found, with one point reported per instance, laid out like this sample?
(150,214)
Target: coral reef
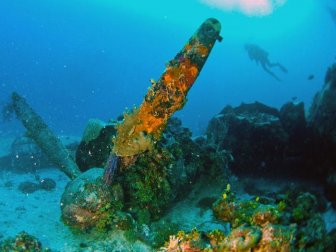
(184,242)
(242,238)
(44,137)
(23,242)
(158,162)
(289,222)
(276,238)
(238,212)
(144,125)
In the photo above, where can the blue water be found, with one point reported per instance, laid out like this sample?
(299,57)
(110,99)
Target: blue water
(79,59)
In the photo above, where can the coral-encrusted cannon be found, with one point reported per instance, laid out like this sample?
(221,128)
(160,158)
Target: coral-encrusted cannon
(86,202)
(144,125)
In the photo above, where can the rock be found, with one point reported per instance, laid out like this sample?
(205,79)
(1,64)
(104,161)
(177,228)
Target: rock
(47,184)
(28,187)
(96,144)
(292,116)
(330,187)
(322,111)
(92,130)
(265,141)
(254,134)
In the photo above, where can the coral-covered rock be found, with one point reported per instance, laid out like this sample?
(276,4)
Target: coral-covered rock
(87,203)
(277,238)
(260,227)
(304,207)
(312,235)
(242,238)
(22,242)
(245,212)
(185,242)
(146,185)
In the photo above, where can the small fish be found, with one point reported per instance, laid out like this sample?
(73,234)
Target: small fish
(294,98)
(311,77)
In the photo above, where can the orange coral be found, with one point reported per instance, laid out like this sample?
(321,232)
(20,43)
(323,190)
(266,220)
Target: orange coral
(143,127)
(202,50)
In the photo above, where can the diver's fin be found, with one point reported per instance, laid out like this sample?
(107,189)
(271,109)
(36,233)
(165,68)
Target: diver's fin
(271,73)
(284,69)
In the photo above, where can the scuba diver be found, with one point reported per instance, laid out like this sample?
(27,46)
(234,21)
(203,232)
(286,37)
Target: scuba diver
(259,55)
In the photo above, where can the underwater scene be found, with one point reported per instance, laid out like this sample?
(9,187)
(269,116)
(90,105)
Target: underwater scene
(171,126)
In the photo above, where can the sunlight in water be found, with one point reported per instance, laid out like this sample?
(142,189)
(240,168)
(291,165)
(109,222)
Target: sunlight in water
(248,7)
